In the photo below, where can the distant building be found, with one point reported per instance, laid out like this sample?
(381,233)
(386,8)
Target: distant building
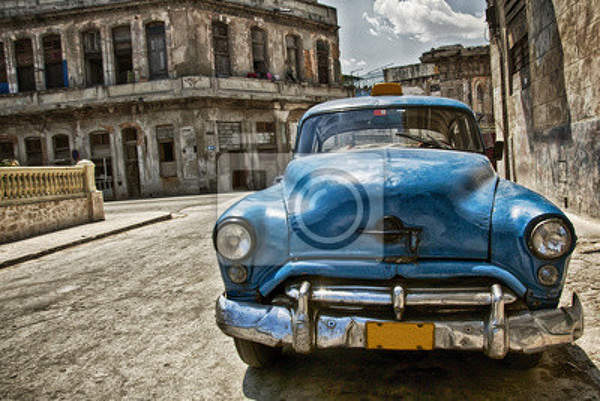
(166,97)
(416,79)
(546,68)
(457,72)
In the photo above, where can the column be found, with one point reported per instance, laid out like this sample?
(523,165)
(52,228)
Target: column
(11,65)
(139,51)
(108,59)
(38,63)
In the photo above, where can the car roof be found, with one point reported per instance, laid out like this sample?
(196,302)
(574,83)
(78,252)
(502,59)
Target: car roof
(369,102)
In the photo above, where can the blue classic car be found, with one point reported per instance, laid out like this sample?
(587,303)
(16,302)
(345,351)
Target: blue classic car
(390,229)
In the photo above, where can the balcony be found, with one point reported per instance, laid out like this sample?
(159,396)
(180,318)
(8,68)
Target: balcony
(191,87)
(305,9)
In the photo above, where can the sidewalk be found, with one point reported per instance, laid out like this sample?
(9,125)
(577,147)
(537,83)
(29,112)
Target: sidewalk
(31,248)
(586,228)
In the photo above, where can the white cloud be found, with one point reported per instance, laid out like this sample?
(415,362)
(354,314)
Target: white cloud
(424,20)
(352,64)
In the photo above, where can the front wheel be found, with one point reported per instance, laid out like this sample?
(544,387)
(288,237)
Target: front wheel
(255,354)
(522,361)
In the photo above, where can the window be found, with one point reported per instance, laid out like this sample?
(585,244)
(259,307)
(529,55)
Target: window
(292,43)
(259,51)
(123,54)
(323,61)
(166,151)
(3,75)
(157,50)
(33,150)
(480,98)
(101,139)
(265,135)
(25,74)
(230,136)
(220,33)
(414,127)
(519,62)
(7,150)
(518,42)
(62,151)
(92,54)
(53,62)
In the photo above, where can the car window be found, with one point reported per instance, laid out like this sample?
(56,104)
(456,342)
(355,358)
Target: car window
(415,127)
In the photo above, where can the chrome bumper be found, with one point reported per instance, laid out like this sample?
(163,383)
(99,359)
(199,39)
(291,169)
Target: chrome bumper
(305,329)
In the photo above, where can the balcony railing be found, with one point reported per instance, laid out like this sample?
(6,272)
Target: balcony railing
(168,89)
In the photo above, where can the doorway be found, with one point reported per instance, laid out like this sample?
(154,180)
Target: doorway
(102,159)
(132,169)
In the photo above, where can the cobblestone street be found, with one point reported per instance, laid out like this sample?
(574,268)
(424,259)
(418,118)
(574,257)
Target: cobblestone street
(132,317)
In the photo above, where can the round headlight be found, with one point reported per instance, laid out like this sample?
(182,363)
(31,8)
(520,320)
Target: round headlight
(550,239)
(237,273)
(548,275)
(234,240)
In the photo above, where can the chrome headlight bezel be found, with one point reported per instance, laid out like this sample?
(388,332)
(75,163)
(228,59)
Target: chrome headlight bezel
(538,224)
(243,224)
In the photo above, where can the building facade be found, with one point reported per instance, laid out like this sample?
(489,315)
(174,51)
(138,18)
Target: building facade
(545,57)
(166,97)
(457,72)
(416,79)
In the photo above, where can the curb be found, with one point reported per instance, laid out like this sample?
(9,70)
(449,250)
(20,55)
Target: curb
(48,251)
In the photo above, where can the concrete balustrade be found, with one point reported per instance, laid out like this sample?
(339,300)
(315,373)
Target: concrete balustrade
(35,200)
(19,184)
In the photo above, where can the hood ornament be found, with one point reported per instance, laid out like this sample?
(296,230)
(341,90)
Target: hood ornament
(391,230)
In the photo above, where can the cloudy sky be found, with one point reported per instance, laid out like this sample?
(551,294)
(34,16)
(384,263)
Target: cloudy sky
(374,33)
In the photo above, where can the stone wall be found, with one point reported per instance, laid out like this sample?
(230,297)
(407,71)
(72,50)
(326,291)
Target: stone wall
(30,219)
(37,200)
(551,104)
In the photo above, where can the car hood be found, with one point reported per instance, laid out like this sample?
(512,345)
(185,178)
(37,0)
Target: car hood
(438,204)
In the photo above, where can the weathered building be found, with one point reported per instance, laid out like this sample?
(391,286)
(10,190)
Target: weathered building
(545,57)
(417,79)
(166,97)
(457,72)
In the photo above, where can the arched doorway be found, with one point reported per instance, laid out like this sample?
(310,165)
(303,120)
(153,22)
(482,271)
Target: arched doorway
(130,156)
(102,158)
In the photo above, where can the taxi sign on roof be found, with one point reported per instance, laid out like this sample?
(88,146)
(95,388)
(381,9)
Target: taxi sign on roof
(387,89)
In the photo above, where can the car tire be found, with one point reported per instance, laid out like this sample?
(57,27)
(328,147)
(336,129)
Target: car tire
(521,361)
(255,354)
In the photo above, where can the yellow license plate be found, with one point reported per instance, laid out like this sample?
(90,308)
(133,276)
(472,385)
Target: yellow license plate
(400,336)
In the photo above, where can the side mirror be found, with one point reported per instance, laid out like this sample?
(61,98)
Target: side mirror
(498,150)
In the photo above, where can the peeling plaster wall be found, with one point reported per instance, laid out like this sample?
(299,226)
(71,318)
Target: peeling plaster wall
(451,71)
(194,128)
(188,40)
(553,123)
(191,99)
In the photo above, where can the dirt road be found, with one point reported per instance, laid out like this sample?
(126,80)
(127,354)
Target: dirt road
(132,317)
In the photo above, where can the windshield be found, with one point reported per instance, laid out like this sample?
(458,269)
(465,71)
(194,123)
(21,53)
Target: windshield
(412,127)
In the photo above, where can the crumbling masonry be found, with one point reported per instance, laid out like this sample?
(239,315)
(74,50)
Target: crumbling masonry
(545,58)
(166,97)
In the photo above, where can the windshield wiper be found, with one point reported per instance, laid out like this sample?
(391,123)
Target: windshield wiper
(414,138)
(431,143)
(438,143)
